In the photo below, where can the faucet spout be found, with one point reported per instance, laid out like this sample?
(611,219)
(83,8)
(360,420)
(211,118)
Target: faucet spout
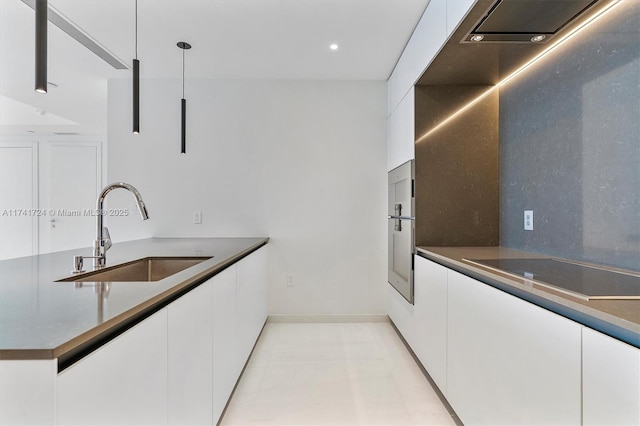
(103,240)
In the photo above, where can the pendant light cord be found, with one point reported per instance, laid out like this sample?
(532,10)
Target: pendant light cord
(183,73)
(136,29)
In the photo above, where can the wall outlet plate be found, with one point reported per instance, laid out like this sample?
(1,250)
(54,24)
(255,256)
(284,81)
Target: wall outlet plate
(528,220)
(197,217)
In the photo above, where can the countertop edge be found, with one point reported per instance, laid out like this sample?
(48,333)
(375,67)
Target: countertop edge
(122,322)
(604,322)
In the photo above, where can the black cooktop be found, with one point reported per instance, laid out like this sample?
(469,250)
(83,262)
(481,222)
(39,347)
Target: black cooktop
(583,281)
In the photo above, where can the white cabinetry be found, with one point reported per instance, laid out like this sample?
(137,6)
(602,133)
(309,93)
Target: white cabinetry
(401,132)
(509,361)
(456,11)
(122,383)
(610,380)
(424,324)
(401,314)
(27,395)
(190,357)
(430,312)
(425,42)
(252,302)
(225,360)
(212,330)
(439,20)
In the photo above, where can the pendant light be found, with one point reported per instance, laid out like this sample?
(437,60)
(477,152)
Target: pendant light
(136,84)
(183,103)
(41,45)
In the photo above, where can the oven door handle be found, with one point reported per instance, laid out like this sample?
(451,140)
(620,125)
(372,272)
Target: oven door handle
(397,227)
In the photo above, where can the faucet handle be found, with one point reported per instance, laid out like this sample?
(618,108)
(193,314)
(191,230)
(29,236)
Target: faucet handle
(107,238)
(78,263)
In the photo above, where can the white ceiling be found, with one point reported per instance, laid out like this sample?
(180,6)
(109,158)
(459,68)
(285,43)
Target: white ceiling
(244,39)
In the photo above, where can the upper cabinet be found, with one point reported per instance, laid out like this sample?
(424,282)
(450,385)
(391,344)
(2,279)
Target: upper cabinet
(439,20)
(401,132)
(427,39)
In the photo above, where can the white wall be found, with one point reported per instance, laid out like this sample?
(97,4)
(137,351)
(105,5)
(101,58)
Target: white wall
(302,162)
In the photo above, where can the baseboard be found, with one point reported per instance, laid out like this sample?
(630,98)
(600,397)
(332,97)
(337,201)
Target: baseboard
(278,318)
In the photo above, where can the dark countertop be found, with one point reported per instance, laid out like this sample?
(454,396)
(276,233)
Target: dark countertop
(617,318)
(44,319)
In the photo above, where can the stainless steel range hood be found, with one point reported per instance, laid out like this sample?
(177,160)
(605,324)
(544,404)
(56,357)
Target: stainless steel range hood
(527,20)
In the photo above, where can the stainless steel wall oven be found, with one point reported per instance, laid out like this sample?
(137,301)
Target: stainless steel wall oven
(401,215)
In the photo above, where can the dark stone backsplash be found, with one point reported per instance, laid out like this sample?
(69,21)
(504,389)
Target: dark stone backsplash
(570,147)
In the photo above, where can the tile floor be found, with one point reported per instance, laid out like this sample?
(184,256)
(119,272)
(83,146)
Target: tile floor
(333,374)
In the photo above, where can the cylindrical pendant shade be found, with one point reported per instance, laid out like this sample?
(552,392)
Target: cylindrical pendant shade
(136,96)
(41,46)
(183,145)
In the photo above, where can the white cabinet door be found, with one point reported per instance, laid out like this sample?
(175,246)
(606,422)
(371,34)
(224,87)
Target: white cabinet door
(401,314)
(252,302)
(431,319)
(27,392)
(401,133)
(610,380)
(425,42)
(190,357)
(225,362)
(456,11)
(509,361)
(122,383)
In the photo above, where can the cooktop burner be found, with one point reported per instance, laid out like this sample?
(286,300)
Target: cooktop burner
(583,281)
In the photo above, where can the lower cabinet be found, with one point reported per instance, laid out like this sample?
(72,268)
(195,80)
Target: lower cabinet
(610,380)
(190,355)
(27,392)
(177,367)
(122,383)
(212,330)
(509,361)
(430,312)
(252,297)
(226,367)
(401,313)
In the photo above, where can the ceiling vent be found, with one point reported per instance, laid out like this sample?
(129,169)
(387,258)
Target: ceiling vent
(526,21)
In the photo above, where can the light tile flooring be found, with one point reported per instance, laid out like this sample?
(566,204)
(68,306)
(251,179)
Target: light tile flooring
(333,374)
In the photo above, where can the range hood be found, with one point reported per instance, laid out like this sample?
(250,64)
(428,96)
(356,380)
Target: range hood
(527,21)
(504,29)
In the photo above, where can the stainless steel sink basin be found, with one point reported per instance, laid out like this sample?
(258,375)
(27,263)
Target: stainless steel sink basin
(147,269)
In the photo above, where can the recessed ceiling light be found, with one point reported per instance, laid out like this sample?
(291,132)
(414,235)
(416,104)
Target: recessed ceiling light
(333,46)
(477,37)
(538,38)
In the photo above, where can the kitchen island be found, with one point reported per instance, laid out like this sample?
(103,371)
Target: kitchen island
(72,351)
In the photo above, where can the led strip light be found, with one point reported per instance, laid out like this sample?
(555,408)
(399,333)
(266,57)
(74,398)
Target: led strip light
(517,72)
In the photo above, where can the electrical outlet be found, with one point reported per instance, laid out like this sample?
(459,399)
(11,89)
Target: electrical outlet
(197,217)
(290,280)
(528,220)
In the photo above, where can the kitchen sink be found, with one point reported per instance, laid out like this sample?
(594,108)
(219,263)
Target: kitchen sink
(148,269)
